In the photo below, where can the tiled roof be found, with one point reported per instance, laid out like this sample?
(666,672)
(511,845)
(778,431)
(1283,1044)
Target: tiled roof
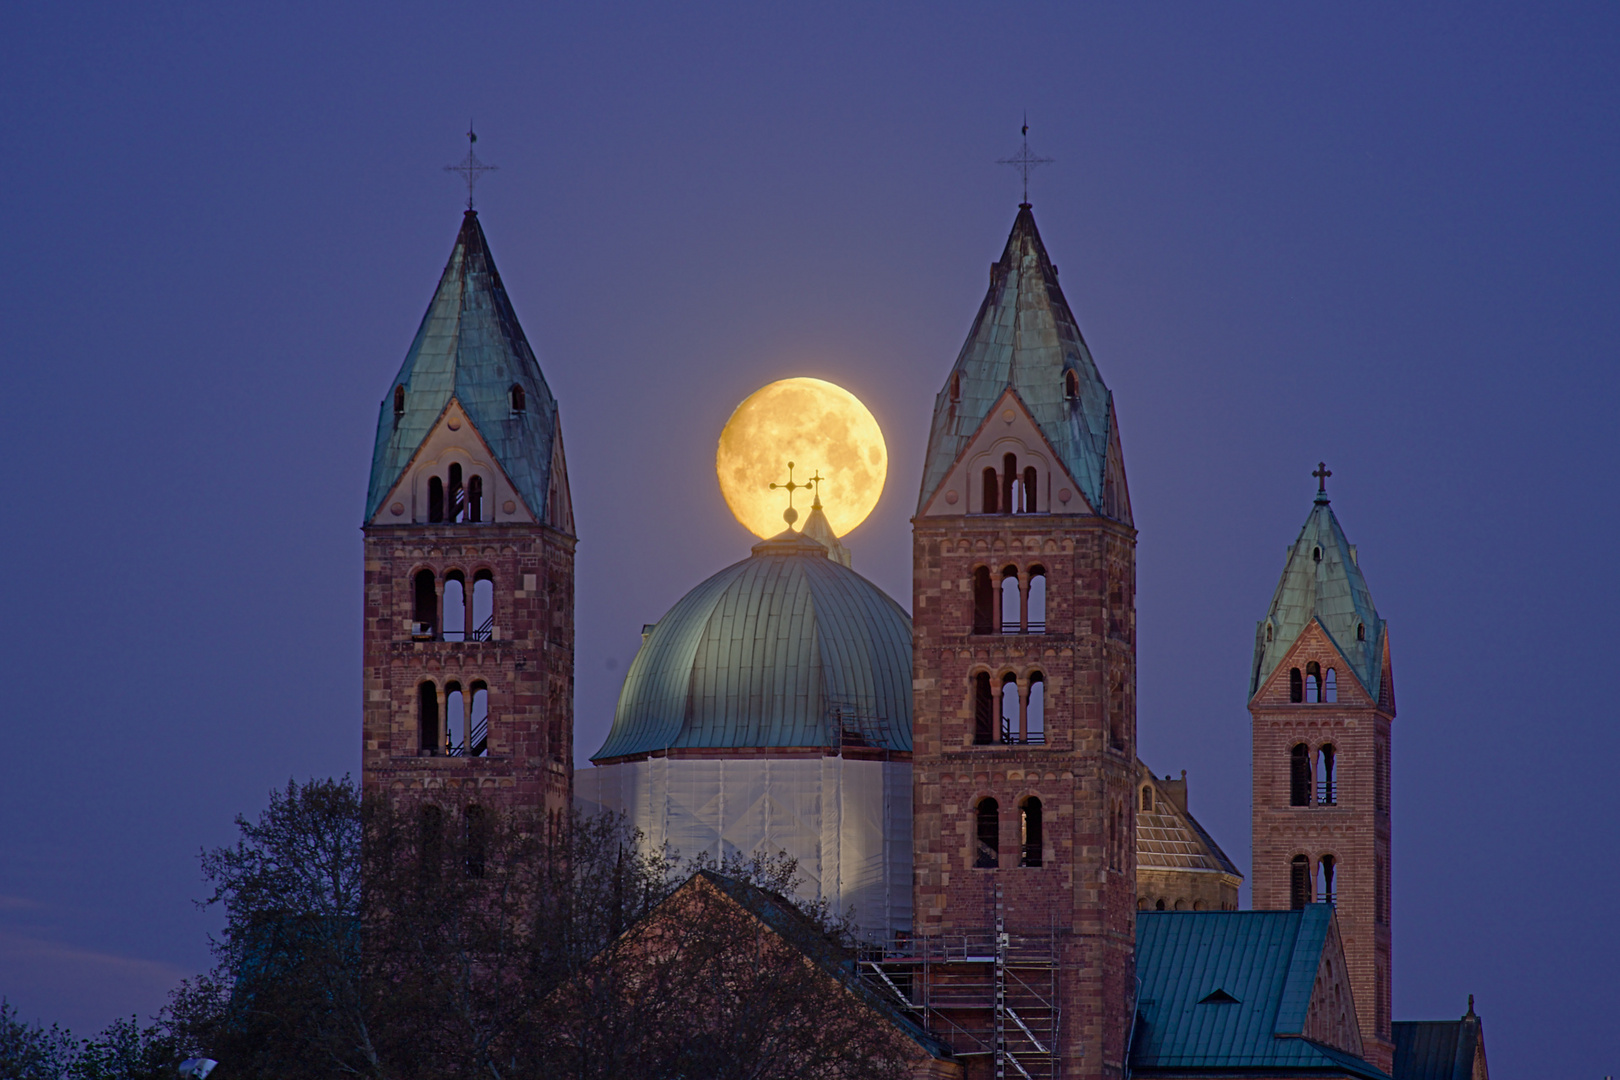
(1322,581)
(774,651)
(1170,838)
(1266,960)
(1025,337)
(1437,1049)
(470,346)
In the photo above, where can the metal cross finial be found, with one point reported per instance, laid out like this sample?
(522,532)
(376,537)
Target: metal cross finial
(1025,162)
(816,478)
(470,167)
(790,515)
(1322,473)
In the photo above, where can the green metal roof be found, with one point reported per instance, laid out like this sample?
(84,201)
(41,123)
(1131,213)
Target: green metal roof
(1266,960)
(1322,581)
(470,346)
(1025,337)
(780,650)
(1437,1049)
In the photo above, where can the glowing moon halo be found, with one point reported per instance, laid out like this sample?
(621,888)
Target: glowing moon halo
(820,427)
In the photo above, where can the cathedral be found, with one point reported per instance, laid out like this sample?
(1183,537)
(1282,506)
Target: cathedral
(961,781)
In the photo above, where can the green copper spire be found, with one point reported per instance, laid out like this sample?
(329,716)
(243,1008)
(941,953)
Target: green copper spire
(1025,337)
(1322,581)
(470,347)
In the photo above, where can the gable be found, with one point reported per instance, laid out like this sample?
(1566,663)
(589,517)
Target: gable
(1169,838)
(1331,1016)
(1008,428)
(1314,644)
(453,440)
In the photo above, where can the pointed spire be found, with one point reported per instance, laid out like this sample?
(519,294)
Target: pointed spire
(819,529)
(1322,581)
(1025,337)
(470,347)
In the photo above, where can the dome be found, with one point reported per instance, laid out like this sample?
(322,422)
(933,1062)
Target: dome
(784,649)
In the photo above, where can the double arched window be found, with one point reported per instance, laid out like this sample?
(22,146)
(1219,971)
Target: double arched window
(1011,490)
(453,721)
(1009,710)
(455,500)
(463,618)
(1306,789)
(1010,601)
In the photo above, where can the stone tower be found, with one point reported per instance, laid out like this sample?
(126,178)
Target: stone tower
(1322,700)
(469,538)
(1025,668)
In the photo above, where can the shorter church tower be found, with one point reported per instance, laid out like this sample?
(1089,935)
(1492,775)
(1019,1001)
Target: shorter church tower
(469,578)
(1322,701)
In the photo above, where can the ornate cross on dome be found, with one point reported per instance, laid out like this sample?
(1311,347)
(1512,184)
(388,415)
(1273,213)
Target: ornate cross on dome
(791,515)
(470,167)
(1322,473)
(1025,162)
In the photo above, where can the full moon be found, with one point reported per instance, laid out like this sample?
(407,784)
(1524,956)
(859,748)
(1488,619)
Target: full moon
(821,428)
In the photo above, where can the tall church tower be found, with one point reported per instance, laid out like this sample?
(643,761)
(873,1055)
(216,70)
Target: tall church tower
(1322,700)
(469,538)
(1024,578)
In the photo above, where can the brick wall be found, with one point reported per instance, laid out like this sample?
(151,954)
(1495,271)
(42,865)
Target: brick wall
(1354,829)
(1084,774)
(528,666)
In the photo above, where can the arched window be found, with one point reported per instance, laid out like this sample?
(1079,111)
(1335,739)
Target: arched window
(1299,882)
(1316,553)
(435,499)
(1313,683)
(1029,489)
(1009,477)
(1158,905)
(1361,631)
(988,851)
(1010,720)
(483,607)
(1268,631)
(983,602)
(1036,623)
(1012,601)
(1147,798)
(991,486)
(984,713)
(477,840)
(478,725)
(956,387)
(455,719)
(1325,893)
(1029,832)
(427,718)
(1299,775)
(518,398)
(455,607)
(1326,789)
(424,605)
(399,403)
(475,498)
(430,842)
(1296,686)
(1330,685)
(458,495)
(1116,717)
(1071,385)
(1035,712)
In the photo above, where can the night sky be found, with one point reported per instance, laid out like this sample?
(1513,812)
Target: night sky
(1377,236)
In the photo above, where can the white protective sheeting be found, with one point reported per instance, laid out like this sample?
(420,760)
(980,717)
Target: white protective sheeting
(848,823)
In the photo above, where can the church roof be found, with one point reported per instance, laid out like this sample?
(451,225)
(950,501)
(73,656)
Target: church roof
(1229,992)
(786,648)
(470,346)
(1024,337)
(1438,1049)
(1322,581)
(1168,837)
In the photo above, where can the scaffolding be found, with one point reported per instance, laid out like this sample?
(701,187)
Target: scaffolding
(985,993)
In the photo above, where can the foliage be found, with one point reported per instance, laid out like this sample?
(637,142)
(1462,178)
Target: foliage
(127,1051)
(418,939)
(30,1051)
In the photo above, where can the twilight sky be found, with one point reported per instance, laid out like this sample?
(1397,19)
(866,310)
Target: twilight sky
(1374,235)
